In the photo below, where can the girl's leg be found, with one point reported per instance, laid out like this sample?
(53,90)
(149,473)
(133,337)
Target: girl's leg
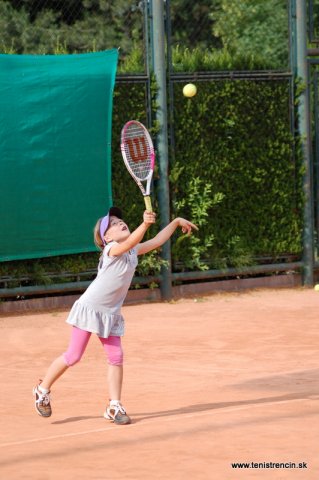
(115,380)
(55,370)
(115,411)
(77,346)
(113,349)
(78,343)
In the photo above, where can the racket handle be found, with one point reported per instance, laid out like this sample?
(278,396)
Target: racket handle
(148,203)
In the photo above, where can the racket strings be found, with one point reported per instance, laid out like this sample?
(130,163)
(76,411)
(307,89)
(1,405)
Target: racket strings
(137,151)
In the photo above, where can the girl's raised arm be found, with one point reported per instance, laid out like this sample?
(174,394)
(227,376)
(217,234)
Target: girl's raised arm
(165,234)
(135,237)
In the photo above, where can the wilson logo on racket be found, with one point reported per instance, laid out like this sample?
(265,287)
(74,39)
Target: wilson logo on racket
(139,156)
(137,148)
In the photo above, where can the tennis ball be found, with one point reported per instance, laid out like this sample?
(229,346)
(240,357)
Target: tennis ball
(316,287)
(189,90)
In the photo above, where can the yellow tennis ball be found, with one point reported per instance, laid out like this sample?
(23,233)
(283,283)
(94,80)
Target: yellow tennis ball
(316,287)
(189,90)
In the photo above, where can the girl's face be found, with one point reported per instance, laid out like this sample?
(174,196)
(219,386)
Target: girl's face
(118,231)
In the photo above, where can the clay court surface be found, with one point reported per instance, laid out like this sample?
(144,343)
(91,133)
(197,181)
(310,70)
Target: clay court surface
(232,377)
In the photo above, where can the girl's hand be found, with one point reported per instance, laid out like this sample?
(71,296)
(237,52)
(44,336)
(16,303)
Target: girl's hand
(186,226)
(149,217)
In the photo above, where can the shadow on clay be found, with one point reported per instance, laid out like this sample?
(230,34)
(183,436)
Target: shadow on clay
(76,419)
(303,379)
(292,380)
(220,405)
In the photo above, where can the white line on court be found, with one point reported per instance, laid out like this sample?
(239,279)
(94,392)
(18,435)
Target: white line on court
(151,420)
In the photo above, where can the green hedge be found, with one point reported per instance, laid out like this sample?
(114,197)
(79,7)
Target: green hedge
(233,141)
(233,172)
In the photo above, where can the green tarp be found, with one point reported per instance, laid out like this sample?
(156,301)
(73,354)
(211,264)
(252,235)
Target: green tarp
(55,151)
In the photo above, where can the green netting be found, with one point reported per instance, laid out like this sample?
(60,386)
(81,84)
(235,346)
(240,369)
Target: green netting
(55,151)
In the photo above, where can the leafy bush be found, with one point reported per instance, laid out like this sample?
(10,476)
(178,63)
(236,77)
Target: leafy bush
(199,60)
(234,139)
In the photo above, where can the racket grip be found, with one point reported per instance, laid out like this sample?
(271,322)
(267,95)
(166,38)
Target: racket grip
(148,203)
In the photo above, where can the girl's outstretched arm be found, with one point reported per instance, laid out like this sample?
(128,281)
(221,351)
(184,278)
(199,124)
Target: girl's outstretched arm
(165,234)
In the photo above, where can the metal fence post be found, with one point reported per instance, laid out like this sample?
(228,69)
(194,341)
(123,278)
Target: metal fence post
(305,134)
(159,68)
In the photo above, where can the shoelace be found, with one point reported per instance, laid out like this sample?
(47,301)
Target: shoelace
(117,408)
(44,398)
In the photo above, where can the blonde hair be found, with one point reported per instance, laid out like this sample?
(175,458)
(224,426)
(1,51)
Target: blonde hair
(96,234)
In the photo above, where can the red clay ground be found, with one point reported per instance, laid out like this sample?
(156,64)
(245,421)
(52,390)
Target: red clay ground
(227,378)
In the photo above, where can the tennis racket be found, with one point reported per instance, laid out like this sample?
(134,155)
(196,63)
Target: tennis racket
(139,156)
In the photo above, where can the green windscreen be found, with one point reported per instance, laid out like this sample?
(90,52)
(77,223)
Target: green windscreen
(55,151)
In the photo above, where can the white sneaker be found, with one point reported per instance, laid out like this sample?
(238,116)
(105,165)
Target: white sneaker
(116,413)
(42,402)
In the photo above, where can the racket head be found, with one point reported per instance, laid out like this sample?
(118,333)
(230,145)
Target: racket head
(137,150)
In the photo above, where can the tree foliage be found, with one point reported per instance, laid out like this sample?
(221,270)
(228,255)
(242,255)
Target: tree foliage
(253,27)
(192,24)
(76,26)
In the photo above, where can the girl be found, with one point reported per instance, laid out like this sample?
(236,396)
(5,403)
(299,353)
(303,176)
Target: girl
(98,310)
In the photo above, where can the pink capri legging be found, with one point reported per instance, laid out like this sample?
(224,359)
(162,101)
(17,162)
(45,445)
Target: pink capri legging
(79,340)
